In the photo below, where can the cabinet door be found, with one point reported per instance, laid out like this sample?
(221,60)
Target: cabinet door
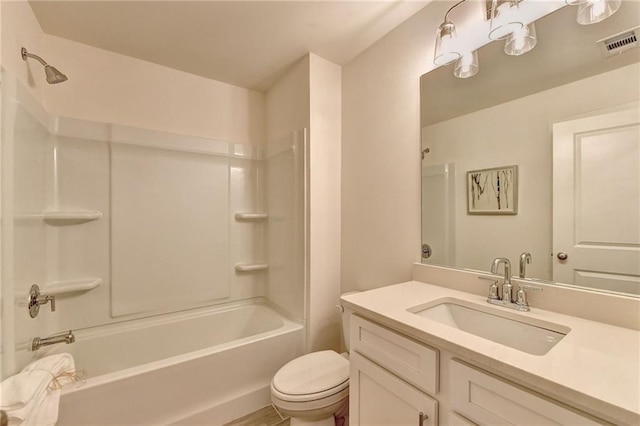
(412,361)
(490,401)
(378,398)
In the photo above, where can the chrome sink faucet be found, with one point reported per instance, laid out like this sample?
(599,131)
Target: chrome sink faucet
(507,288)
(525,258)
(506,299)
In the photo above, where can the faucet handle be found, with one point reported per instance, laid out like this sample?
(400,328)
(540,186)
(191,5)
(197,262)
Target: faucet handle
(493,288)
(36,298)
(521,295)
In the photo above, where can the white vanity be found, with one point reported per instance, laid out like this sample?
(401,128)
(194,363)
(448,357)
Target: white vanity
(428,354)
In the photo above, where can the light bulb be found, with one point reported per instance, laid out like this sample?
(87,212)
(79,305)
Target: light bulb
(594,11)
(467,66)
(597,9)
(445,49)
(521,41)
(504,19)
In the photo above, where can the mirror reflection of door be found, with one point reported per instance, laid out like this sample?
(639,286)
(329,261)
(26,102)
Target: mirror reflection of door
(438,209)
(596,201)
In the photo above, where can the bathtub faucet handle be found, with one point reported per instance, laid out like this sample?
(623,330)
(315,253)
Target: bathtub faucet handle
(36,299)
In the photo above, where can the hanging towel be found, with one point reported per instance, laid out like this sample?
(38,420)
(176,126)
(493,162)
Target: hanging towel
(31,397)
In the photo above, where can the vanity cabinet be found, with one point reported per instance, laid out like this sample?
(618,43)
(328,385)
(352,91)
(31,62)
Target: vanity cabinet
(394,378)
(491,401)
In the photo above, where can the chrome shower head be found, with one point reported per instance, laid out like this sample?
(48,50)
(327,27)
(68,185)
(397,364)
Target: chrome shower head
(52,74)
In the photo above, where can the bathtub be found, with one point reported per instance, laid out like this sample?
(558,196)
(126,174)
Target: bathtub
(205,367)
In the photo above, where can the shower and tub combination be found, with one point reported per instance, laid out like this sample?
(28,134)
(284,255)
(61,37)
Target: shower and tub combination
(174,263)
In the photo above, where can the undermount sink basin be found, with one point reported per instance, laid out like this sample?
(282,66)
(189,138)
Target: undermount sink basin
(529,335)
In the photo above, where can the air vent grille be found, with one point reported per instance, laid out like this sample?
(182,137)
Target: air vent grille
(620,43)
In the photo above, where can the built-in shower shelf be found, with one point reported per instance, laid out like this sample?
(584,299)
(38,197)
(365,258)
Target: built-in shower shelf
(71,286)
(250,267)
(251,216)
(71,215)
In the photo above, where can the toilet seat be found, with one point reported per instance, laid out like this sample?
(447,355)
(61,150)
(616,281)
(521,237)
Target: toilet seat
(312,377)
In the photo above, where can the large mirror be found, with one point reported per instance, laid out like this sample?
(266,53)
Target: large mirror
(566,116)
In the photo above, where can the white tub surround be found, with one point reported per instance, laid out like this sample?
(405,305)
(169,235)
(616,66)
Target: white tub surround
(594,368)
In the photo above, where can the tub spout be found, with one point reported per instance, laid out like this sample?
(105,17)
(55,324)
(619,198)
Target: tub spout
(66,337)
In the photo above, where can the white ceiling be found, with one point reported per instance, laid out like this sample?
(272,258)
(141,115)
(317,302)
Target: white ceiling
(245,43)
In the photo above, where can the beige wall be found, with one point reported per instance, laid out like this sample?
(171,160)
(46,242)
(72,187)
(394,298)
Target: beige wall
(287,111)
(288,102)
(381,154)
(324,191)
(21,29)
(108,87)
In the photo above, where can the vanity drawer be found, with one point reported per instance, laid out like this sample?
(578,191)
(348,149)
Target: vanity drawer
(412,361)
(490,401)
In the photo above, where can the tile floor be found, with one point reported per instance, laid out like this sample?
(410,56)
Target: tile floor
(267,416)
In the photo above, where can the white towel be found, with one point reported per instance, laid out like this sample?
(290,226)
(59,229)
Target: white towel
(29,398)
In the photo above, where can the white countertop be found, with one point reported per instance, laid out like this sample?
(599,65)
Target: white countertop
(595,367)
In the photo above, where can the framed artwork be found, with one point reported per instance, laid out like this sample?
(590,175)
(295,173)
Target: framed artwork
(493,191)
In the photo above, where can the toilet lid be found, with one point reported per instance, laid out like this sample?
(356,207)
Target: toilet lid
(312,373)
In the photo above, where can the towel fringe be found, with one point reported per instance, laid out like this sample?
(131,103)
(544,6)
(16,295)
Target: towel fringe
(64,378)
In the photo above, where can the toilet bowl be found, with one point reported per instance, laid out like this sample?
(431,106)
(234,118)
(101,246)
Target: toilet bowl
(311,388)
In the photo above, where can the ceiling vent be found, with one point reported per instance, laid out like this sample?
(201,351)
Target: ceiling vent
(619,43)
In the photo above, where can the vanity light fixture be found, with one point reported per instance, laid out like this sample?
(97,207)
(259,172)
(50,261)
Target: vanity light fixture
(507,22)
(594,11)
(467,66)
(521,41)
(504,18)
(445,51)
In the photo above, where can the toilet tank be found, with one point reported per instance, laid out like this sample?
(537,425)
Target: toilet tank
(346,316)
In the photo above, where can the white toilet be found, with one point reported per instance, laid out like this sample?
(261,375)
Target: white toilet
(311,388)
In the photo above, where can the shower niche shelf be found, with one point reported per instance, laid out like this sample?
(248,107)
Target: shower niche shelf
(71,216)
(250,267)
(251,216)
(71,286)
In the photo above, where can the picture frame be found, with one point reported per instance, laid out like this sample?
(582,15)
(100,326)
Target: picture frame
(493,191)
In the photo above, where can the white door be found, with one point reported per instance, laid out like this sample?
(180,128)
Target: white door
(596,201)
(378,398)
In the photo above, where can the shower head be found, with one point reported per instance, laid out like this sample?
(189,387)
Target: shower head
(52,74)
